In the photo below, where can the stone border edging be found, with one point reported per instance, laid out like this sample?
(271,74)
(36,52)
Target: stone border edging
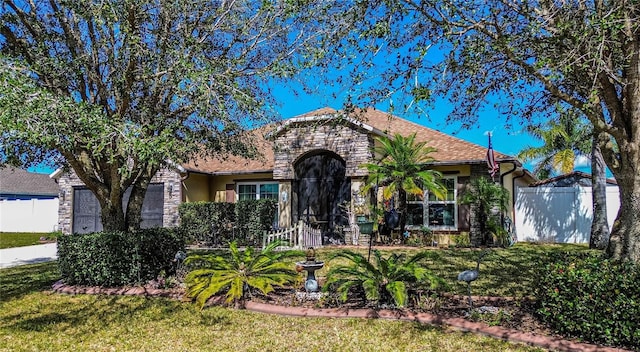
(460,324)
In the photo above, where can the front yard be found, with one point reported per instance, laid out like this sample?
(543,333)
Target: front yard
(33,318)
(20,239)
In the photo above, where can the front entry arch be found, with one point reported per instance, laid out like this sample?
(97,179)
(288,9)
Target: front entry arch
(321,185)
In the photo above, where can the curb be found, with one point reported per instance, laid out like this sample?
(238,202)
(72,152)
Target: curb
(460,324)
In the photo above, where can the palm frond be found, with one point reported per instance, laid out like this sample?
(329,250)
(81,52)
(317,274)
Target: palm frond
(398,291)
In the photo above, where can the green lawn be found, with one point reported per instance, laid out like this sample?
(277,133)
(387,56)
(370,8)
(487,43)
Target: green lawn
(20,239)
(34,319)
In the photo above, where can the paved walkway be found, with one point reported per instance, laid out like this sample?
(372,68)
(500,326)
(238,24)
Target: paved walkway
(40,253)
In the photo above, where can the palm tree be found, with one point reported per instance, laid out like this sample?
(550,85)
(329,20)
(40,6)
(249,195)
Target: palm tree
(487,197)
(563,141)
(403,169)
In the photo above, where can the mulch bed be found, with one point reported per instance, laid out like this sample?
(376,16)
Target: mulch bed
(506,312)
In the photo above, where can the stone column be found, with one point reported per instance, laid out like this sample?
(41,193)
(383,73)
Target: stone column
(284,203)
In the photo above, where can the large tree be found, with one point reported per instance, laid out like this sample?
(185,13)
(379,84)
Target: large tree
(118,89)
(527,56)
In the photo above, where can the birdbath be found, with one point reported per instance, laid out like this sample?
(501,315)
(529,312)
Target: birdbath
(310,266)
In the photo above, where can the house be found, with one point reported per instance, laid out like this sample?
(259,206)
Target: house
(311,165)
(560,209)
(28,201)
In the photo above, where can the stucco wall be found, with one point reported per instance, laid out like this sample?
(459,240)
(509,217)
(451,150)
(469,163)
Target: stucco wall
(196,188)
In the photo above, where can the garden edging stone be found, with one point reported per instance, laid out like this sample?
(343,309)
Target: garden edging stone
(548,342)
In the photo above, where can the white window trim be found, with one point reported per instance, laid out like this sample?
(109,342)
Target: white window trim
(425,209)
(454,202)
(257,184)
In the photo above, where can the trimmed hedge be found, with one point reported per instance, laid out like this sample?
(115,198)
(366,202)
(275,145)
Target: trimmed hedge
(207,222)
(220,223)
(586,296)
(111,259)
(253,217)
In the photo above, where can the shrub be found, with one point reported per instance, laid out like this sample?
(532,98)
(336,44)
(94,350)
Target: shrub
(220,223)
(386,281)
(117,258)
(207,222)
(236,274)
(253,217)
(585,296)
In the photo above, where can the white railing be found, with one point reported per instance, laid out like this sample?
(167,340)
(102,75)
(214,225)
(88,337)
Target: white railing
(301,236)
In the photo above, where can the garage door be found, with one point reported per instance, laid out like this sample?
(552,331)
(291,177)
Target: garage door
(86,209)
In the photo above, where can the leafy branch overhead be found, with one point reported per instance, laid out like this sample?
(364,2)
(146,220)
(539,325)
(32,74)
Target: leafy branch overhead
(116,90)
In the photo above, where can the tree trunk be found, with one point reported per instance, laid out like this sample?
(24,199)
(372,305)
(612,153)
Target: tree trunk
(624,242)
(113,215)
(402,200)
(136,199)
(599,225)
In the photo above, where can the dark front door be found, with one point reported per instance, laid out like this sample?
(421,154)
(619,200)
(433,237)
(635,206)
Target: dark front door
(321,186)
(86,209)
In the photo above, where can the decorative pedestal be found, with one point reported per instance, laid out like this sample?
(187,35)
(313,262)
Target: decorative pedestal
(311,284)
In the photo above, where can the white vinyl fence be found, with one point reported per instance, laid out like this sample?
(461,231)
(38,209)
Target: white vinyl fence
(559,214)
(29,215)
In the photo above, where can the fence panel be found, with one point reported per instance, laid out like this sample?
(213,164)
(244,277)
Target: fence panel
(29,215)
(558,214)
(299,237)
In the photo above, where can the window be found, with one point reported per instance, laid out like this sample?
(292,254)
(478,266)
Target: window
(257,191)
(430,211)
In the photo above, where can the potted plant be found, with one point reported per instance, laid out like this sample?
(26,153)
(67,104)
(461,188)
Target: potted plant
(361,211)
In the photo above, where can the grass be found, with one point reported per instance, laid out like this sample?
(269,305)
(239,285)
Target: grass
(34,319)
(20,239)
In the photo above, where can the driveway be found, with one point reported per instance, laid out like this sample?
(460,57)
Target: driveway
(40,253)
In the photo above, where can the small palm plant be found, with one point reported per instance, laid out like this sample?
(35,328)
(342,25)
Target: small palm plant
(240,272)
(386,281)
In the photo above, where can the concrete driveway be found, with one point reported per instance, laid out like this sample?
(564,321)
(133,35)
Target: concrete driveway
(40,253)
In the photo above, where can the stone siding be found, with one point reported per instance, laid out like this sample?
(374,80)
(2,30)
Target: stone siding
(352,143)
(172,198)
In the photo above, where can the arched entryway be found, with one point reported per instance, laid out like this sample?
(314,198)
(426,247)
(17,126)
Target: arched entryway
(320,186)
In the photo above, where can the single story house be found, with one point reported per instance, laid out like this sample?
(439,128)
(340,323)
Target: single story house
(560,209)
(312,165)
(28,201)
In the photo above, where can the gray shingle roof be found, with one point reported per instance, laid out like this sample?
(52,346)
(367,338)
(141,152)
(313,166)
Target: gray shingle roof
(21,182)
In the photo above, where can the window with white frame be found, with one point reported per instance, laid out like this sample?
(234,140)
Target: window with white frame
(432,212)
(257,190)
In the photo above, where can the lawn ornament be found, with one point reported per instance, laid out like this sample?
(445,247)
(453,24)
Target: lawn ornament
(471,275)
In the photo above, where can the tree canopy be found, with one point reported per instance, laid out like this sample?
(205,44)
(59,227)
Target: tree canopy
(525,57)
(116,90)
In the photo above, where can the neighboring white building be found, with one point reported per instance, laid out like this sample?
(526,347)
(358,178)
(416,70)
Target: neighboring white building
(28,201)
(560,209)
